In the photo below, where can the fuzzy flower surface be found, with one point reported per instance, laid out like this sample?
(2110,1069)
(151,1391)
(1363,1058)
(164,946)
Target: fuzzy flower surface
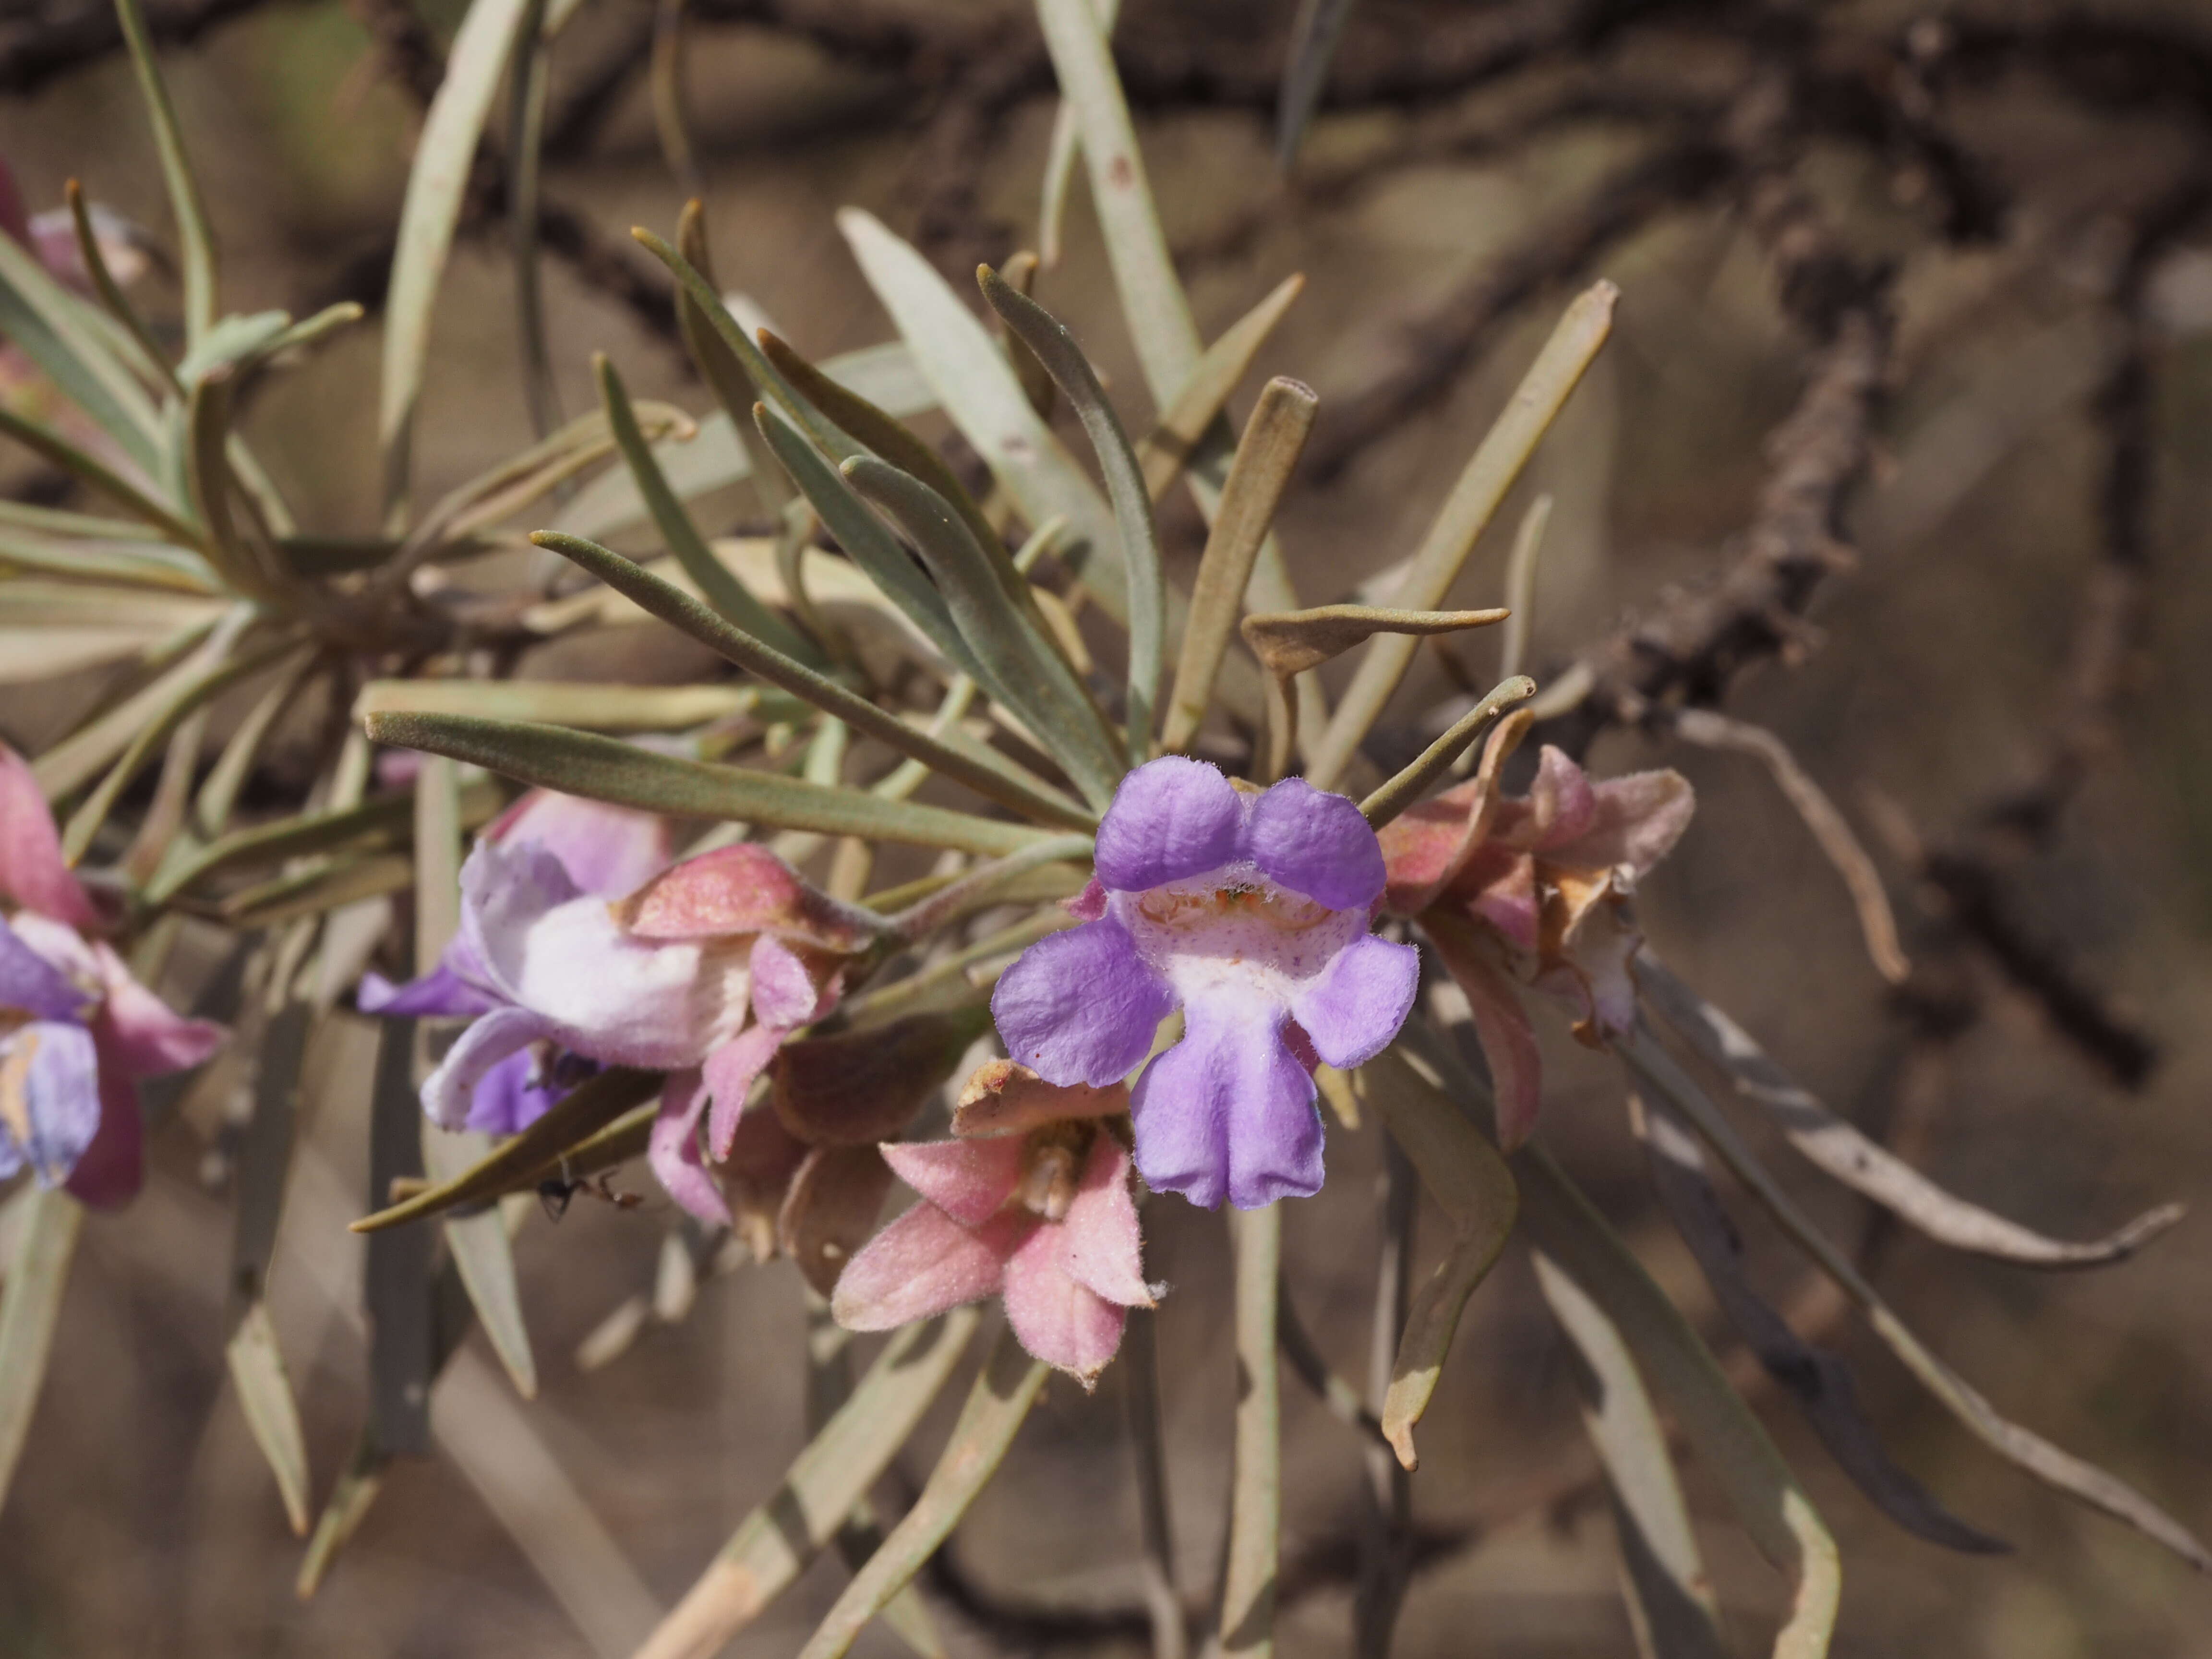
(1535,890)
(600,850)
(1249,912)
(574,945)
(77,1031)
(1029,1201)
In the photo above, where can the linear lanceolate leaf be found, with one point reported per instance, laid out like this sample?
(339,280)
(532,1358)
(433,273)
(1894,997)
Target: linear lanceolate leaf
(996,778)
(1666,1570)
(1003,1392)
(1475,1189)
(777,1541)
(1026,669)
(1071,371)
(195,693)
(150,360)
(1727,1439)
(72,763)
(1289,642)
(1490,472)
(484,1256)
(979,390)
(196,242)
(1188,419)
(1153,303)
(717,458)
(1818,1380)
(264,1395)
(96,475)
(1865,1165)
(863,536)
(1255,1498)
(2059,1469)
(1062,152)
(443,156)
(378,825)
(713,578)
(1274,439)
(30,1304)
(595,705)
(876,429)
(1314,36)
(1407,787)
(124,564)
(516,1162)
(75,347)
(718,365)
(314,892)
(604,769)
(1160,323)
(264,1157)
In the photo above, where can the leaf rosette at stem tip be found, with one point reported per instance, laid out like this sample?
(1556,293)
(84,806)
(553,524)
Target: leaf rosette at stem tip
(1249,911)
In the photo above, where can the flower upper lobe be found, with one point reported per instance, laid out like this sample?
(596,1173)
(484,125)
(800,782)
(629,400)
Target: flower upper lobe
(1249,913)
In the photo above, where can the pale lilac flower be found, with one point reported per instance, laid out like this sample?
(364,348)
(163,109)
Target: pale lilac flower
(77,1030)
(702,972)
(602,850)
(1249,912)
(1030,1201)
(1534,890)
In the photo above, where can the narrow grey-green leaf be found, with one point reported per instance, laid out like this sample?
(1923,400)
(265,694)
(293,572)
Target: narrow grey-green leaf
(1818,1381)
(1677,1612)
(1255,1498)
(30,1305)
(595,705)
(1003,1392)
(1407,787)
(2022,1447)
(63,336)
(380,825)
(194,693)
(1160,324)
(94,475)
(515,1164)
(1071,371)
(126,564)
(1274,439)
(152,360)
(1185,421)
(603,769)
(1490,472)
(1062,151)
(1023,668)
(978,388)
(717,458)
(1473,1186)
(1314,36)
(1866,1166)
(264,1395)
(777,1541)
(196,242)
(443,156)
(713,578)
(1727,1439)
(484,1256)
(996,779)
(72,763)
(863,537)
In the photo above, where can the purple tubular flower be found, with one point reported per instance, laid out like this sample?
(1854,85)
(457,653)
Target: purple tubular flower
(1250,913)
(506,1070)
